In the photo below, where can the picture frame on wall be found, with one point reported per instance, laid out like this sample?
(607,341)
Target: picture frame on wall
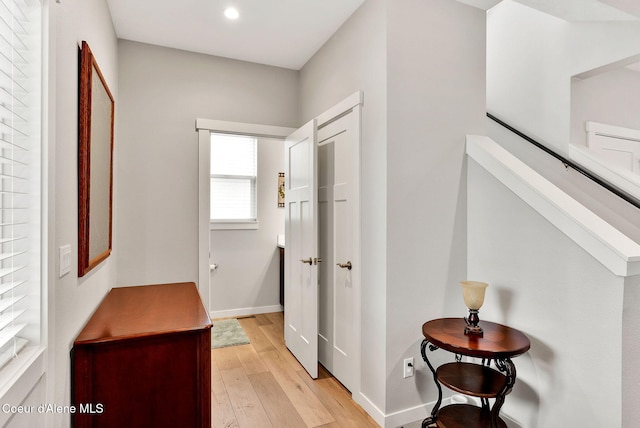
(95,164)
(281,190)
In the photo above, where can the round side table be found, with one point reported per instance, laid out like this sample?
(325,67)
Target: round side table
(498,344)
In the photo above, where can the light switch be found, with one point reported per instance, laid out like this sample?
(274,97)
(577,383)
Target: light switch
(65,260)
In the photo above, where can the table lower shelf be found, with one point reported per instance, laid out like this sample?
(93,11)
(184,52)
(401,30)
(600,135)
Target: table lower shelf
(465,416)
(472,379)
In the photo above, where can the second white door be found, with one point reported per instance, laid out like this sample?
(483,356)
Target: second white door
(337,148)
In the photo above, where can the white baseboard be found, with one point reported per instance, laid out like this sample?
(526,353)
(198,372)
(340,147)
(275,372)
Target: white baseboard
(393,420)
(399,418)
(370,408)
(420,412)
(241,312)
(396,419)
(511,423)
(406,416)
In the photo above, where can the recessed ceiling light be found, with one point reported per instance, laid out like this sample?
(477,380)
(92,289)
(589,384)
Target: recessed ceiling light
(231,13)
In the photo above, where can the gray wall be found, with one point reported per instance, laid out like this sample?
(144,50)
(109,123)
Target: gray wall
(530,87)
(421,68)
(355,59)
(436,95)
(612,97)
(72,300)
(531,57)
(247,280)
(162,92)
(547,295)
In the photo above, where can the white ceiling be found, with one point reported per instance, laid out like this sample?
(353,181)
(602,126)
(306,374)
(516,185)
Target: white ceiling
(580,10)
(283,33)
(286,33)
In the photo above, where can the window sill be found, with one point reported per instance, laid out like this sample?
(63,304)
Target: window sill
(233,225)
(19,378)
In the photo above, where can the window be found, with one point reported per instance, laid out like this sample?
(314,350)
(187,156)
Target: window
(234,165)
(20,178)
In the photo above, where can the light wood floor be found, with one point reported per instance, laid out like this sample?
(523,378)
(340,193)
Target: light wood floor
(263,385)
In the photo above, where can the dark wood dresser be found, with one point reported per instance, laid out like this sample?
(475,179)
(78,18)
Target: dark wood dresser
(144,360)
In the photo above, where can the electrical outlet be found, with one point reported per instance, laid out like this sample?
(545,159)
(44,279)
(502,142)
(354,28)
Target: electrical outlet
(408,367)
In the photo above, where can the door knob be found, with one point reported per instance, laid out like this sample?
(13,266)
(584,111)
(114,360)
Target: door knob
(346,265)
(307,260)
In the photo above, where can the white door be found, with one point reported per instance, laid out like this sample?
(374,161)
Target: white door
(338,143)
(301,254)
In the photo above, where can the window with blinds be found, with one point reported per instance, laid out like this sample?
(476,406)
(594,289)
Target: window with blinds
(20,166)
(234,165)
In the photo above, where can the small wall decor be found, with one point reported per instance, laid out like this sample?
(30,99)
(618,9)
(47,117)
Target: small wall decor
(281,189)
(95,164)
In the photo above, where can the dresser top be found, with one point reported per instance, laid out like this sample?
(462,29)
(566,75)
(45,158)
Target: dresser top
(498,341)
(136,312)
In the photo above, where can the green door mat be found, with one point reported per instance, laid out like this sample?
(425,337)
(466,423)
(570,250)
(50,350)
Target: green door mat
(227,333)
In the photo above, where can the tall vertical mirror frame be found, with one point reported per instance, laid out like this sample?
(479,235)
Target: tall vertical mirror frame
(95,164)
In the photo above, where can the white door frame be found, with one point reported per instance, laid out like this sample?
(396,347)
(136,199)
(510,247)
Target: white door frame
(205,127)
(353,104)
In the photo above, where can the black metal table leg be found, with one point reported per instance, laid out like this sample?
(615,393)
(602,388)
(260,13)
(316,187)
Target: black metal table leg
(431,420)
(507,367)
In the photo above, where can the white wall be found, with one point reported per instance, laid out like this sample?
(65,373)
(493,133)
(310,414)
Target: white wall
(436,93)
(612,97)
(567,303)
(421,68)
(355,59)
(531,57)
(531,88)
(620,214)
(631,353)
(162,92)
(73,299)
(527,84)
(247,280)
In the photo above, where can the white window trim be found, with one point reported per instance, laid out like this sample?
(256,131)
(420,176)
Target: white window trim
(205,127)
(240,128)
(30,366)
(234,224)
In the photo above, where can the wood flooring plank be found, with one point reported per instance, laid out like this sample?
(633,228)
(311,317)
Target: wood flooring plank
(257,338)
(277,340)
(222,415)
(250,359)
(244,400)
(261,398)
(225,358)
(337,400)
(306,403)
(276,318)
(274,334)
(263,319)
(279,408)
